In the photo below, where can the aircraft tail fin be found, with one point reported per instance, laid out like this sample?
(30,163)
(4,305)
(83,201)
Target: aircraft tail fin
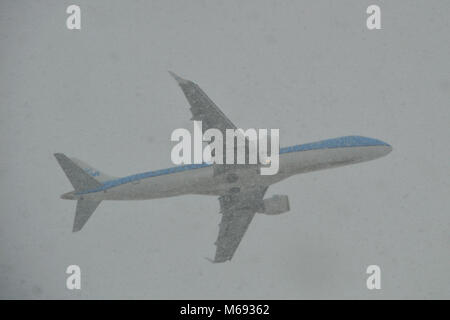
(79,178)
(84,210)
(97,174)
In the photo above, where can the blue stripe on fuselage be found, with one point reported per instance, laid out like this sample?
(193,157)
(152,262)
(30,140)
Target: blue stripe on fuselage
(342,142)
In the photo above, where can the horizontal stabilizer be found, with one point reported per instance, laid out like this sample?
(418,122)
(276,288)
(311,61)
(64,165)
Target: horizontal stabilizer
(85,208)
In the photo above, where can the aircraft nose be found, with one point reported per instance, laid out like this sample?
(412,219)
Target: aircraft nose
(383,147)
(387,148)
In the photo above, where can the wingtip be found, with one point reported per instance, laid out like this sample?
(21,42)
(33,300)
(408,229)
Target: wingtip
(59,156)
(217,260)
(210,260)
(177,77)
(76,228)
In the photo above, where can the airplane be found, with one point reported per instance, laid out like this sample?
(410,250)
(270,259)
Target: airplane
(240,188)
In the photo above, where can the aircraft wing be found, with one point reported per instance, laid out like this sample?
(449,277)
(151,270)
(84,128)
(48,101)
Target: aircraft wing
(202,107)
(205,110)
(238,210)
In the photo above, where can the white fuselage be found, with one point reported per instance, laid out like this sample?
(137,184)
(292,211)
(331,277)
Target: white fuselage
(201,180)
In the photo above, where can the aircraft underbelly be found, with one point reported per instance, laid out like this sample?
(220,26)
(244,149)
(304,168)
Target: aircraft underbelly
(168,185)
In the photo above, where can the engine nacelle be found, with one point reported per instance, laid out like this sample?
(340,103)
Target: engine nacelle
(277,204)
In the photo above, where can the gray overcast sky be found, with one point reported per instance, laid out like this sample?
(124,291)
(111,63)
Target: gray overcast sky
(310,68)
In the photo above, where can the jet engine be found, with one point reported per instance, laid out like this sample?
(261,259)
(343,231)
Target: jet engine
(277,204)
